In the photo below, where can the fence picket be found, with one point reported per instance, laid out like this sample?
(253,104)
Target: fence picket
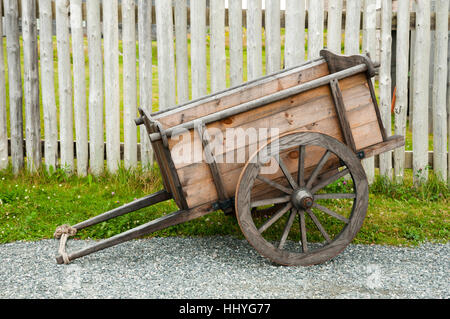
(15,83)
(48,85)
(145,74)
(3,121)
(111,69)
(182,68)
(273,40)
(439,91)
(254,39)
(96,138)
(352,23)
(198,48)
(217,47)
(370,47)
(401,100)
(385,82)
(236,49)
(420,101)
(315,28)
(129,83)
(79,87)
(294,49)
(65,85)
(334,29)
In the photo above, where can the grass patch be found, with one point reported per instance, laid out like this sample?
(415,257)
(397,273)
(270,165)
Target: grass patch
(32,205)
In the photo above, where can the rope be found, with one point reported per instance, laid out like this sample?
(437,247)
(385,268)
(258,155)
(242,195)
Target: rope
(63,232)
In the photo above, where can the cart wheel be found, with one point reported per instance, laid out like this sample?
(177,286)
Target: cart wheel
(307,182)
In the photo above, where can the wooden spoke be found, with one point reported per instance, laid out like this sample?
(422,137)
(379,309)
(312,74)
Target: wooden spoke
(329,180)
(287,228)
(318,168)
(301,166)
(269,201)
(335,196)
(319,226)
(301,214)
(274,184)
(331,213)
(286,172)
(275,217)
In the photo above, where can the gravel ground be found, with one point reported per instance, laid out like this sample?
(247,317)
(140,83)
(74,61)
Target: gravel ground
(219,267)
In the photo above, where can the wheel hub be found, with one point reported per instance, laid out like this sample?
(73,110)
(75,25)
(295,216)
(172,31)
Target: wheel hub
(302,199)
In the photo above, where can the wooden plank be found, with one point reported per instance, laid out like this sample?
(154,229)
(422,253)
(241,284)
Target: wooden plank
(401,98)
(420,102)
(79,87)
(48,85)
(31,86)
(217,45)
(385,82)
(3,121)
(198,48)
(112,98)
(166,59)
(369,46)
(341,113)
(352,22)
(236,47)
(243,94)
(15,83)
(294,48)
(94,37)
(129,83)
(254,39)
(145,75)
(439,91)
(181,51)
(334,31)
(315,28)
(272,36)
(65,85)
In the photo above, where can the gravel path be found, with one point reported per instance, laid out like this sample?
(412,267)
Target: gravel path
(219,267)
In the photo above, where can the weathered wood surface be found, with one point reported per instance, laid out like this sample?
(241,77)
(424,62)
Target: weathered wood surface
(236,46)
(401,98)
(420,99)
(96,122)
(385,82)
(15,83)
(439,97)
(198,48)
(334,34)
(48,85)
(145,75)
(315,28)
(294,50)
(254,39)
(111,76)
(180,21)
(65,85)
(79,87)
(129,83)
(217,45)
(272,39)
(3,115)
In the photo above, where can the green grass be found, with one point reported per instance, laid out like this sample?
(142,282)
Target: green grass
(31,206)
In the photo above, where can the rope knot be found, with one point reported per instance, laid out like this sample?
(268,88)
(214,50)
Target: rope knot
(64,229)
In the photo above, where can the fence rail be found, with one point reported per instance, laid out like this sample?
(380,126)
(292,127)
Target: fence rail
(98,70)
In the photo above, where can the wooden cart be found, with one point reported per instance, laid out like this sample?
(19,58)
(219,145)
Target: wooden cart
(316,122)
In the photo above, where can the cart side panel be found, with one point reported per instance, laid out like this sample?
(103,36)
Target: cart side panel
(279,82)
(312,110)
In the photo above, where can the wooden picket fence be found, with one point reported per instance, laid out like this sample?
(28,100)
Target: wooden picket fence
(82,123)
